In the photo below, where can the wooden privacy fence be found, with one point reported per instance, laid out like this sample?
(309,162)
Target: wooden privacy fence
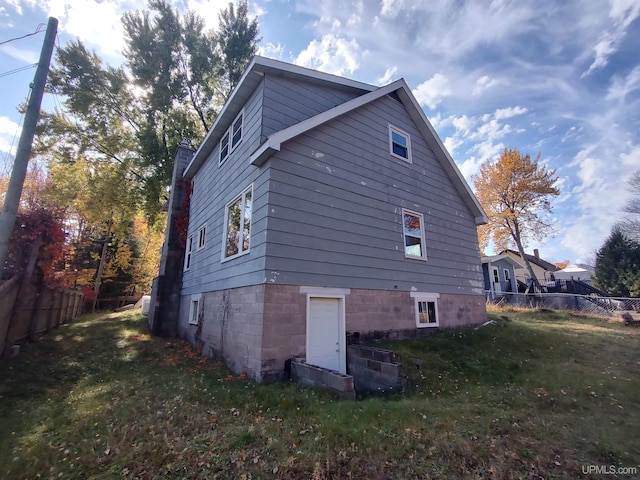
(28,312)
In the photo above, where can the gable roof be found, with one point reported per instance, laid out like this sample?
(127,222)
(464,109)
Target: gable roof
(502,256)
(367,94)
(251,78)
(549,267)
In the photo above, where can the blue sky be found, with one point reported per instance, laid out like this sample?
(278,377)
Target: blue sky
(559,78)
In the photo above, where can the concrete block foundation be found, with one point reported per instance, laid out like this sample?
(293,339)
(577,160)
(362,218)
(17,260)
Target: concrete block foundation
(256,329)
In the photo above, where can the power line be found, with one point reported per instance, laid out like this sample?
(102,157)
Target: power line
(38,30)
(20,69)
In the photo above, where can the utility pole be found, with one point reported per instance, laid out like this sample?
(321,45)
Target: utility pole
(19,171)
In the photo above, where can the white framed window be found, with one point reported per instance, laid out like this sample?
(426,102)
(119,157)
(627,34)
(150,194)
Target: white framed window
(187,253)
(413,233)
(236,131)
(426,309)
(399,144)
(224,146)
(507,277)
(232,137)
(202,236)
(194,309)
(236,239)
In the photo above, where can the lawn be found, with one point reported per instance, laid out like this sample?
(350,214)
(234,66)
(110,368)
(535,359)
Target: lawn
(540,395)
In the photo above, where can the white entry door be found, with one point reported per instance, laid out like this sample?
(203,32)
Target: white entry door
(497,288)
(325,334)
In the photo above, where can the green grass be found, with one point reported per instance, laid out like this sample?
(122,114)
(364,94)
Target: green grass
(544,394)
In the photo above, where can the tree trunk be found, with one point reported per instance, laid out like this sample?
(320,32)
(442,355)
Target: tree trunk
(516,238)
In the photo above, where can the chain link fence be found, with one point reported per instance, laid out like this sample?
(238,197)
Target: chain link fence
(584,304)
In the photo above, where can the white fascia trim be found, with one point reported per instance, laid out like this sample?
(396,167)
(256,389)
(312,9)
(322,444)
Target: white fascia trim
(325,291)
(270,63)
(406,95)
(275,140)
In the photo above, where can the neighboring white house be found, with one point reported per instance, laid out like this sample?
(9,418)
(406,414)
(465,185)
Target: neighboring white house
(576,271)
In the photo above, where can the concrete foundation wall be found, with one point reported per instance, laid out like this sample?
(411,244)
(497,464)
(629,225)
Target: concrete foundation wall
(256,329)
(373,369)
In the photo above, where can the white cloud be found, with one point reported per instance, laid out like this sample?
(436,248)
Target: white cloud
(96,23)
(388,76)
(623,13)
(208,10)
(431,92)
(271,50)
(331,54)
(16,5)
(28,56)
(483,83)
(9,133)
(503,113)
(390,8)
(621,87)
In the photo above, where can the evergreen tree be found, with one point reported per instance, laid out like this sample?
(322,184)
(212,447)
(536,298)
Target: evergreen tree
(617,268)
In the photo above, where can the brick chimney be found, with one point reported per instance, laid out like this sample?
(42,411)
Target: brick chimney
(536,253)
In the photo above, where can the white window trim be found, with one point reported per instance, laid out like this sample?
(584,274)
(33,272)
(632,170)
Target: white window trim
(422,235)
(233,144)
(507,275)
(188,253)
(425,297)
(404,134)
(226,224)
(196,299)
(222,159)
(202,232)
(229,136)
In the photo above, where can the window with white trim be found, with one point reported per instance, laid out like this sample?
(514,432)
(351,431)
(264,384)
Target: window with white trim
(231,138)
(399,143)
(202,236)
(187,253)
(413,232)
(507,277)
(224,146)
(237,228)
(236,131)
(426,308)
(194,309)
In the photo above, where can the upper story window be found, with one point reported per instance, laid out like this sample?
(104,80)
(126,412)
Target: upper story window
(231,138)
(237,228)
(399,143)
(202,236)
(413,232)
(187,253)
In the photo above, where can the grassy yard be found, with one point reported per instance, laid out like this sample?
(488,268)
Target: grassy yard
(542,395)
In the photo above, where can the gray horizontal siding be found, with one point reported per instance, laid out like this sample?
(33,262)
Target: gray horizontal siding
(287,102)
(216,185)
(335,210)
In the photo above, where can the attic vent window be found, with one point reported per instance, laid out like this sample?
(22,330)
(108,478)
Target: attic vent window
(399,143)
(231,138)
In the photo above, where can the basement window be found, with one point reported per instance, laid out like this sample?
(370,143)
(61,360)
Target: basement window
(426,309)
(194,309)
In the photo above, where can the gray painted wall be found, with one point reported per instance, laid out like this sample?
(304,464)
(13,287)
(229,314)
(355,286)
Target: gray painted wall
(335,210)
(327,208)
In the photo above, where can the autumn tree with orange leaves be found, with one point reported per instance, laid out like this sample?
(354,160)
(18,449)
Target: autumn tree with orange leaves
(515,193)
